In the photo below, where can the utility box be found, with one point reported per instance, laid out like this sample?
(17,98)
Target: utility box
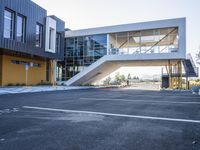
(165,82)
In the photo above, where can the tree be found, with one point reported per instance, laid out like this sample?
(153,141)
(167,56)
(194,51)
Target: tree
(107,81)
(129,76)
(119,79)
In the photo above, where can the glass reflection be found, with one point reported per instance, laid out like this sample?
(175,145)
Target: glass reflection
(81,52)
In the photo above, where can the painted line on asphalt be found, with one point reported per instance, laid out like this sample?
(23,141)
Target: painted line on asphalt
(169,96)
(142,101)
(111,114)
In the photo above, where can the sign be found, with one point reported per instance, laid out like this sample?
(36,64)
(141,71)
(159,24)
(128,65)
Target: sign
(31,64)
(27,67)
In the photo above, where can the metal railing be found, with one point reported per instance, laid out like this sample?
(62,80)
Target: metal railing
(141,50)
(196,69)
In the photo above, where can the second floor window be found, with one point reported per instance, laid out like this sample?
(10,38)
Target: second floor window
(50,38)
(58,42)
(21,26)
(8,24)
(39,35)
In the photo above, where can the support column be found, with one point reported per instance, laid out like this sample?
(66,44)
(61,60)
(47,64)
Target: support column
(180,74)
(170,74)
(53,72)
(181,71)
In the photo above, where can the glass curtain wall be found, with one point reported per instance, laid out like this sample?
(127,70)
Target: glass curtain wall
(164,40)
(81,52)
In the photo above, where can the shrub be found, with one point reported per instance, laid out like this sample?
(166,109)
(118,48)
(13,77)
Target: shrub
(196,89)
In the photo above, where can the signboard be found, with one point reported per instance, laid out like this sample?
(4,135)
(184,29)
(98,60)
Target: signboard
(31,64)
(27,67)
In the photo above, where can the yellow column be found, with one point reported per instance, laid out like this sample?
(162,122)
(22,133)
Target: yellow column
(181,71)
(52,72)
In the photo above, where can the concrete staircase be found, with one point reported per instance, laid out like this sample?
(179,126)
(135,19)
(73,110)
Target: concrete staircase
(110,63)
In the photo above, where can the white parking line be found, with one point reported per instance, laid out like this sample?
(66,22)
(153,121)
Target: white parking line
(111,114)
(169,96)
(142,101)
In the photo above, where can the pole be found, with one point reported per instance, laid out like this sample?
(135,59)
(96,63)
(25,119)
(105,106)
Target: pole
(26,68)
(26,77)
(170,74)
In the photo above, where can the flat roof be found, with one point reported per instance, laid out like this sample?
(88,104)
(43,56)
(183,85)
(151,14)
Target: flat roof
(127,27)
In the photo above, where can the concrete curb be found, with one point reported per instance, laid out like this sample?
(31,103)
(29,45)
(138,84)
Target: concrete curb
(20,90)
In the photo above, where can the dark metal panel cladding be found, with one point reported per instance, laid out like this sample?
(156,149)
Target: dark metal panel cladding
(34,14)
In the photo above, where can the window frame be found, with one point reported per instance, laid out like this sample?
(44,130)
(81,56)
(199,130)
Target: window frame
(51,33)
(12,21)
(40,33)
(58,42)
(23,34)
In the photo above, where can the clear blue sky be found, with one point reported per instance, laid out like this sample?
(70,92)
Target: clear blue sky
(80,14)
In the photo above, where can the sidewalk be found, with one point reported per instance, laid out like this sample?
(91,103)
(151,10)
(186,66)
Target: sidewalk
(15,90)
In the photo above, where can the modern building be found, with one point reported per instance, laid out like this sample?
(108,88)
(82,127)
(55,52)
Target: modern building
(30,43)
(92,54)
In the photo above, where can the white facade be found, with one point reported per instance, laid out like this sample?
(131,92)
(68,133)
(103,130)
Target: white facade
(109,63)
(50,43)
(180,23)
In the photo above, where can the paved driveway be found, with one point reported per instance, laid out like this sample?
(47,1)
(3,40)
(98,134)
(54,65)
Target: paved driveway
(100,119)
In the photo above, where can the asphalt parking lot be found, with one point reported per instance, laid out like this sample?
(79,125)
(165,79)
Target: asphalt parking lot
(100,119)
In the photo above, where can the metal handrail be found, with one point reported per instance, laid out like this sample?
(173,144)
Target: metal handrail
(189,56)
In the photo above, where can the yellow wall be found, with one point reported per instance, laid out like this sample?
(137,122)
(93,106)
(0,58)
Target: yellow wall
(0,69)
(15,73)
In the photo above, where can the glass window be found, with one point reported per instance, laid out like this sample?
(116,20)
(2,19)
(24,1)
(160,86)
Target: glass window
(58,42)
(8,24)
(39,35)
(51,38)
(81,52)
(21,21)
(163,40)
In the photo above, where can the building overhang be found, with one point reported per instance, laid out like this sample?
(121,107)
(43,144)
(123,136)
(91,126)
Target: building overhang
(178,22)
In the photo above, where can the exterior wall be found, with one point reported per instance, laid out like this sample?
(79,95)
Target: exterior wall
(15,73)
(60,25)
(50,45)
(34,14)
(75,51)
(0,69)
(180,23)
(80,52)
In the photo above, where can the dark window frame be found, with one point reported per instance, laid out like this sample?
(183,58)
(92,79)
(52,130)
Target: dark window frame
(40,35)
(12,29)
(23,36)
(58,42)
